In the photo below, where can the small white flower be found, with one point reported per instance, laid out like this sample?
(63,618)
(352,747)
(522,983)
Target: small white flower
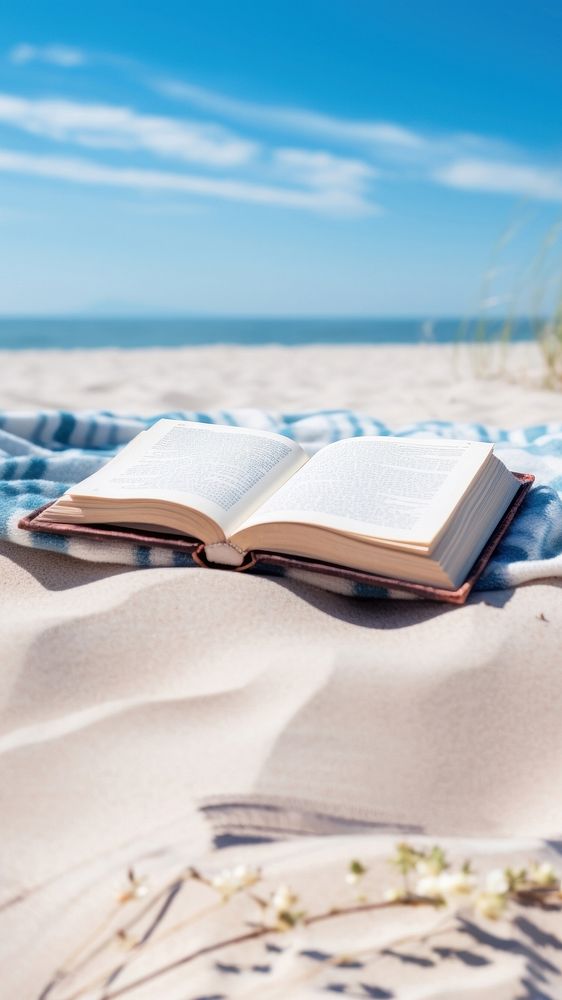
(456,882)
(221,883)
(496,882)
(352,878)
(491,904)
(283,899)
(430,886)
(393,895)
(444,884)
(232,880)
(283,903)
(246,875)
(432,863)
(543,874)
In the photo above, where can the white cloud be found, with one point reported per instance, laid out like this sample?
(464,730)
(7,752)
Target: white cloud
(56,55)
(81,171)
(309,178)
(406,153)
(310,123)
(455,159)
(339,183)
(323,170)
(500,177)
(112,127)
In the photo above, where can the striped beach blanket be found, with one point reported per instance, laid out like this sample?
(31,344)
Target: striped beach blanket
(43,453)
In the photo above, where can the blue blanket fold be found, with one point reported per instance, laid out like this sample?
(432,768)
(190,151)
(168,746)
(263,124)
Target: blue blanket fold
(43,453)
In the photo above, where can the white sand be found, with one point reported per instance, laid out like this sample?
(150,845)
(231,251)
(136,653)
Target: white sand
(395,384)
(132,698)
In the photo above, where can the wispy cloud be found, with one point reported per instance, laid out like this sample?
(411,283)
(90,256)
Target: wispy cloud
(499,177)
(55,55)
(321,169)
(275,117)
(337,176)
(308,179)
(82,171)
(113,127)
(458,159)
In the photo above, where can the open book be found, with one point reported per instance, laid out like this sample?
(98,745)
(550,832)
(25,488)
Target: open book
(409,509)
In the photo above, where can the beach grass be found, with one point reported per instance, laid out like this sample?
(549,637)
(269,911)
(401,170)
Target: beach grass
(539,286)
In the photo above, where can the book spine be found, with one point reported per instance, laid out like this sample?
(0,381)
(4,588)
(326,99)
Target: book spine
(222,554)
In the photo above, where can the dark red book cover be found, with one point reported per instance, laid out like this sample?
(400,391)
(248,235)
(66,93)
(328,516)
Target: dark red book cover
(196,549)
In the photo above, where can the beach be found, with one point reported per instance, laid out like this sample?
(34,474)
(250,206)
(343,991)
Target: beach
(150,716)
(396,384)
(236,763)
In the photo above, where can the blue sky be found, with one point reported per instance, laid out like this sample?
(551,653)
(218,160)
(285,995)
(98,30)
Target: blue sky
(311,158)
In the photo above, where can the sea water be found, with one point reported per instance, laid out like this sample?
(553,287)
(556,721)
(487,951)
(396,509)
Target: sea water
(21,334)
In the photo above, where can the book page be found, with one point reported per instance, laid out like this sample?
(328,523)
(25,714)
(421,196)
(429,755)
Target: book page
(389,488)
(225,472)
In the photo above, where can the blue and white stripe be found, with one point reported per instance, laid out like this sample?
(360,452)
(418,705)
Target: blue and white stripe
(44,453)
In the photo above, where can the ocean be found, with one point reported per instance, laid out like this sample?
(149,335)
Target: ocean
(65,333)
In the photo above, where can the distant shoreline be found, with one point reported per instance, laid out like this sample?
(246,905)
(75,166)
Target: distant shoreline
(132,333)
